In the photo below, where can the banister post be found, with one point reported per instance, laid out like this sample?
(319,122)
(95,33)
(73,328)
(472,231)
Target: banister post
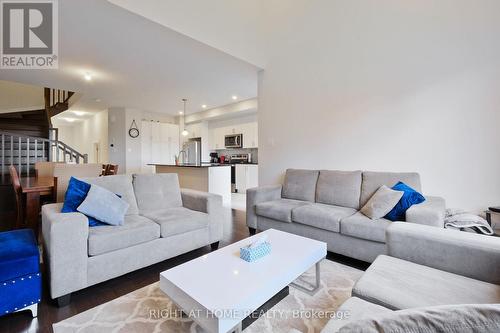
(85,158)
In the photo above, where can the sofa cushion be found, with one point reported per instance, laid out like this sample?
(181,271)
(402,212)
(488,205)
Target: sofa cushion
(178,220)
(157,191)
(321,216)
(361,226)
(381,203)
(398,284)
(353,310)
(300,184)
(340,188)
(373,180)
(280,209)
(484,318)
(135,230)
(121,185)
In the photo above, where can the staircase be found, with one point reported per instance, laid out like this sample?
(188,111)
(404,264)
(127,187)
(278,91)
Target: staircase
(28,137)
(24,151)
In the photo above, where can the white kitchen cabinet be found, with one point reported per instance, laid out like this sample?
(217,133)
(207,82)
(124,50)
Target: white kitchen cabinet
(250,135)
(249,131)
(218,136)
(173,142)
(159,143)
(247,176)
(195,131)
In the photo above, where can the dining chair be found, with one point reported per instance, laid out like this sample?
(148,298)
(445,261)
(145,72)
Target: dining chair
(16,184)
(64,172)
(111,169)
(44,169)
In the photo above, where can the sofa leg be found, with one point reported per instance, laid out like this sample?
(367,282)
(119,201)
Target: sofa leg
(252,230)
(214,246)
(63,300)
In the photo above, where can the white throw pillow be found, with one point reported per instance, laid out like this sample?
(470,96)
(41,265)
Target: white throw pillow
(381,203)
(104,206)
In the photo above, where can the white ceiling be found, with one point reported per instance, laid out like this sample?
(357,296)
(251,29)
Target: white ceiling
(247,29)
(137,63)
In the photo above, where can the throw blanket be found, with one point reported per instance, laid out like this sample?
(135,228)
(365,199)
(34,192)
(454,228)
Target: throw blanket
(460,219)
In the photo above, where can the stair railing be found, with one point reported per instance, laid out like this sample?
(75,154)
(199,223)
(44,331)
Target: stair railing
(35,150)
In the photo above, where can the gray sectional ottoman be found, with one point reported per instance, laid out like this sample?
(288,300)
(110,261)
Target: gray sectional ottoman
(431,280)
(325,204)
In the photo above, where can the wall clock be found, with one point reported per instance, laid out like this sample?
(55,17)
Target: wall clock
(133,132)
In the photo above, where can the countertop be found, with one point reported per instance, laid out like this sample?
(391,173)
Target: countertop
(202,165)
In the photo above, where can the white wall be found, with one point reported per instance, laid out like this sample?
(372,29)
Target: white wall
(82,136)
(16,97)
(116,133)
(66,134)
(391,86)
(90,132)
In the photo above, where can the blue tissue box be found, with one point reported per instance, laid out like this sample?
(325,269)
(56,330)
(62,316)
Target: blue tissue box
(258,252)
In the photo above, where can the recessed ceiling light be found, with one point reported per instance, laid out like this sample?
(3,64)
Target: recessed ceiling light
(204,106)
(80,113)
(234,97)
(180,112)
(69,119)
(87,76)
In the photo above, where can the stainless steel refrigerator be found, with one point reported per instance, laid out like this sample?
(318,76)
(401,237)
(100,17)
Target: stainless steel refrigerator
(193,151)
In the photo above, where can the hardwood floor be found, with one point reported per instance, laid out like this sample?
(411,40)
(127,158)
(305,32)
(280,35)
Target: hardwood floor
(49,313)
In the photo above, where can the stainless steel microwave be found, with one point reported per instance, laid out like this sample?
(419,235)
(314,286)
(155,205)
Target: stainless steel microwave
(233,141)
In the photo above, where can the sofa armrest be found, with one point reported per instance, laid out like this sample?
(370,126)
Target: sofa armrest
(472,255)
(430,212)
(206,203)
(257,195)
(65,238)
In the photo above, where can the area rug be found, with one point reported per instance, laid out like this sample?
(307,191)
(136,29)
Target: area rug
(150,310)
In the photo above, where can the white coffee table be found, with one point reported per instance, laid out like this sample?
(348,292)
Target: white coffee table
(221,289)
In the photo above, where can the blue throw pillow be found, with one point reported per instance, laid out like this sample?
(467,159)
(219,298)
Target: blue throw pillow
(75,194)
(410,197)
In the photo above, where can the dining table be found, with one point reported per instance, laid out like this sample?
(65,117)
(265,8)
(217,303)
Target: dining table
(33,188)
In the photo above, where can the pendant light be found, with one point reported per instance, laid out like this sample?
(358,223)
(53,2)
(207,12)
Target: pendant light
(184,131)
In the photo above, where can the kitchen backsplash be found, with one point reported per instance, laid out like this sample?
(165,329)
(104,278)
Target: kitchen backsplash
(229,152)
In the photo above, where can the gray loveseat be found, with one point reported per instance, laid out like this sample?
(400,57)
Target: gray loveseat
(162,221)
(442,280)
(324,205)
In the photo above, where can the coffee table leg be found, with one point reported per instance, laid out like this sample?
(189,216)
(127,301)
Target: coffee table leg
(315,289)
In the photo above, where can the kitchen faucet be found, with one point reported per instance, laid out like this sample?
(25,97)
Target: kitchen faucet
(184,153)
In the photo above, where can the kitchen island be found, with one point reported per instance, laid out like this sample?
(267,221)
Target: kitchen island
(206,177)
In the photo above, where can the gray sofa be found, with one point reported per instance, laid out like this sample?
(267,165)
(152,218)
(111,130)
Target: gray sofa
(324,205)
(442,280)
(162,221)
